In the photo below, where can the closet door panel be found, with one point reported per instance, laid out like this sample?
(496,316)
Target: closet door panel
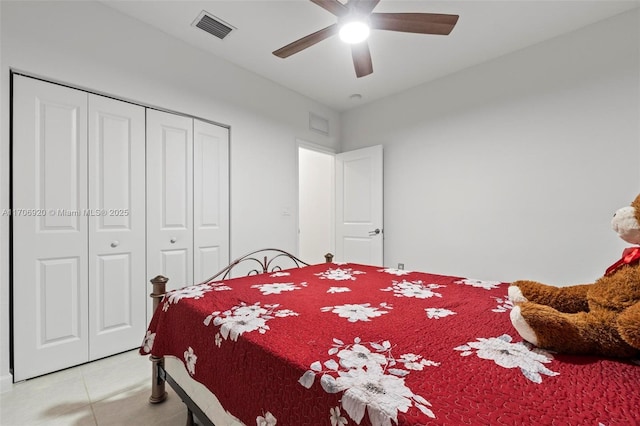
(211,199)
(117,295)
(169,198)
(177,265)
(49,199)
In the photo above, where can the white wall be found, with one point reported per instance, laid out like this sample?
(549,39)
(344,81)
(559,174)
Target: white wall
(95,47)
(513,168)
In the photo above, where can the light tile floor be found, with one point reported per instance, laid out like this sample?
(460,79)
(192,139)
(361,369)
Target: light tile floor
(110,392)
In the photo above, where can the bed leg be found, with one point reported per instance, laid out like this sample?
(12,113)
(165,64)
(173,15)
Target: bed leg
(158,393)
(190,421)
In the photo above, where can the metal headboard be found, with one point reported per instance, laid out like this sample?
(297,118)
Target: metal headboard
(264,264)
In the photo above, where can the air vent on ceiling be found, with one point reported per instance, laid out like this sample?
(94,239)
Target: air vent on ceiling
(213,25)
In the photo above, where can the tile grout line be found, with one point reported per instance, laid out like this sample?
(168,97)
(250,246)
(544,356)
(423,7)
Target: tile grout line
(86,389)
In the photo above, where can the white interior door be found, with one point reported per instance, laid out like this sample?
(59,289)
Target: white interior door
(49,196)
(210,199)
(359,206)
(169,198)
(117,295)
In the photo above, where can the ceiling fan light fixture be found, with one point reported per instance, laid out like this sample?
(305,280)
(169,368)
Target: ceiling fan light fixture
(354,20)
(353,32)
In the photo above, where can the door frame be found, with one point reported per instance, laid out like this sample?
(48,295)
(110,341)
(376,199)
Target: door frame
(301,143)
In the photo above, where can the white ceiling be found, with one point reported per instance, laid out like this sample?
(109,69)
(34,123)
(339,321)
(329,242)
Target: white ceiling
(324,72)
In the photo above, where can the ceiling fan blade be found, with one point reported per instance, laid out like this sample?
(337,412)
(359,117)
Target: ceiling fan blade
(366,6)
(333,6)
(308,41)
(361,59)
(422,23)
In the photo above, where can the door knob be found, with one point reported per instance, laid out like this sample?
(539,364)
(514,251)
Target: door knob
(115,243)
(374,232)
(173,240)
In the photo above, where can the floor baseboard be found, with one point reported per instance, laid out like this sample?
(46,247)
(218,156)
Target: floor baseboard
(6,383)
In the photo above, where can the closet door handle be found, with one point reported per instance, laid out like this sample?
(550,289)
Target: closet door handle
(115,243)
(173,240)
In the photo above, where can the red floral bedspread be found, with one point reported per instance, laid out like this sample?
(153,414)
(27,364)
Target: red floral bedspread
(344,344)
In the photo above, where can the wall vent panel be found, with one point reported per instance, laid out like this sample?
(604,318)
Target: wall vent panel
(318,124)
(213,25)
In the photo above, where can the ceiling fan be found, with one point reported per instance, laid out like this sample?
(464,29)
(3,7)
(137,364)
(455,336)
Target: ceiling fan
(356,17)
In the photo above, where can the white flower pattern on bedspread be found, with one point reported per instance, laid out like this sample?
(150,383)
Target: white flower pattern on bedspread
(339,274)
(416,362)
(190,360)
(336,417)
(358,312)
(394,271)
(338,289)
(487,285)
(219,286)
(246,318)
(520,355)
(277,288)
(504,304)
(192,292)
(267,420)
(437,313)
(147,343)
(359,356)
(369,381)
(416,289)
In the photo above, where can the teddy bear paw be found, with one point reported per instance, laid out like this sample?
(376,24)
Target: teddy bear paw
(515,295)
(521,325)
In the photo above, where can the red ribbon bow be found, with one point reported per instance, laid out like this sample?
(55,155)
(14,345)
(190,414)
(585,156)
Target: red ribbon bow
(629,255)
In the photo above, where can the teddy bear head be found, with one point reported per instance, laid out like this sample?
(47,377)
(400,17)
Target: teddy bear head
(626,222)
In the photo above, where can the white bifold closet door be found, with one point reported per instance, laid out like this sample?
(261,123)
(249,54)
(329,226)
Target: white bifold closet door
(187,198)
(78,227)
(117,295)
(170,197)
(210,199)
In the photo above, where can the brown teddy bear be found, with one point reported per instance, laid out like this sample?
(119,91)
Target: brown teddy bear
(602,318)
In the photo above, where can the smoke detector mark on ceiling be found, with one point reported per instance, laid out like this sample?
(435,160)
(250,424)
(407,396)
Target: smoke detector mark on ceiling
(213,25)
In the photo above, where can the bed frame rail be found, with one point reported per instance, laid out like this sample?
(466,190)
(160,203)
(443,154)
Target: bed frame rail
(263,265)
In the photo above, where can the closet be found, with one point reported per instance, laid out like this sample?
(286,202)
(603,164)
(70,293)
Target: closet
(187,198)
(96,186)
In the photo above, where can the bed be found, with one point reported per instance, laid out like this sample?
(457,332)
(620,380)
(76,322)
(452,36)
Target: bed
(342,344)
